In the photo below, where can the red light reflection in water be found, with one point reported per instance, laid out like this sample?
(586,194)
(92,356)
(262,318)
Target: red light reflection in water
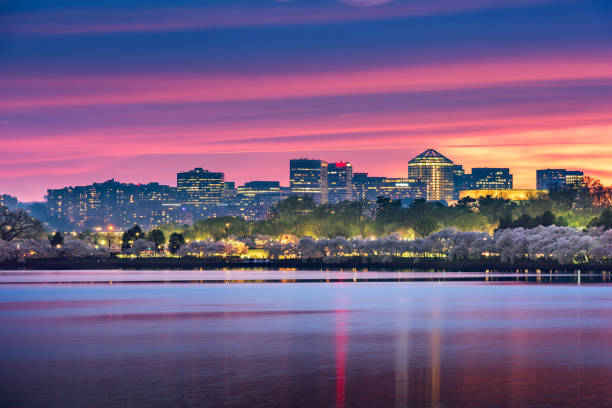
(340,340)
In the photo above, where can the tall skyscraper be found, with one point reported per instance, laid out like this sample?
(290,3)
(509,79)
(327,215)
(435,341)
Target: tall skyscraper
(309,177)
(201,188)
(487,178)
(340,182)
(437,171)
(549,178)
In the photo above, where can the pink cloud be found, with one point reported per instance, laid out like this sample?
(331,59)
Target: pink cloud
(189,18)
(32,92)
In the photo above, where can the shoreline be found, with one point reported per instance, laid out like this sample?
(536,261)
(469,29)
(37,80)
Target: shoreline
(407,264)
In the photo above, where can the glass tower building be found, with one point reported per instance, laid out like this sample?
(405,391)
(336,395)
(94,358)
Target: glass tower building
(309,177)
(436,171)
(340,182)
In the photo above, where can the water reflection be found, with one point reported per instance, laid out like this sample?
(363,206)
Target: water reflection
(363,344)
(341,340)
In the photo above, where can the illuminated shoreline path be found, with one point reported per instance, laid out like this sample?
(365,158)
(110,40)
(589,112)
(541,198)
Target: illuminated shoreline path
(437,171)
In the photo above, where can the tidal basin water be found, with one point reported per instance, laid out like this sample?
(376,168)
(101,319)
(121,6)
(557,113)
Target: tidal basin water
(293,339)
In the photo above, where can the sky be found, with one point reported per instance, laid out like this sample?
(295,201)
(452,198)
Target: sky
(140,90)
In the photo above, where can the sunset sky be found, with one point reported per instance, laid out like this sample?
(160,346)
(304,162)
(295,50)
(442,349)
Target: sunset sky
(138,90)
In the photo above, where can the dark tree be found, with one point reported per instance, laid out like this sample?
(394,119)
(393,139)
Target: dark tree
(388,209)
(604,220)
(157,236)
(467,203)
(426,226)
(524,221)
(506,222)
(495,208)
(546,219)
(56,239)
(18,224)
(294,205)
(176,242)
(130,236)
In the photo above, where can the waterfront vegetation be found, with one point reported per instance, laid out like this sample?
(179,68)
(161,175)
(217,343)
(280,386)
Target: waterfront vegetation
(572,226)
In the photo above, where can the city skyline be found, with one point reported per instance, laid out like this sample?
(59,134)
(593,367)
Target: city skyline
(287,183)
(108,90)
(203,194)
(222,173)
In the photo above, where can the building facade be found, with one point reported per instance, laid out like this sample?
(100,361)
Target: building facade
(255,198)
(551,178)
(370,188)
(339,182)
(201,188)
(118,204)
(309,177)
(459,180)
(436,171)
(574,178)
(488,178)
(8,201)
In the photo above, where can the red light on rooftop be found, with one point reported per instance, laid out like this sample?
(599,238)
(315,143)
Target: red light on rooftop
(340,164)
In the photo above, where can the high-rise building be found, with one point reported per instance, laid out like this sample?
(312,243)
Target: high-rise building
(8,201)
(487,178)
(459,180)
(550,178)
(360,186)
(260,193)
(201,188)
(339,182)
(436,171)
(309,177)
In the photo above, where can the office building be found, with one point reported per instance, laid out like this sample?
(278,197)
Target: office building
(551,178)
(487,178)
(254,199)
(112,203)
(459,180)
(339,182)
(436,171)
(360,186)
(370,188)
(309,177)
(201,188)
(8,201)
(402,189)
(574,178)
(229,192)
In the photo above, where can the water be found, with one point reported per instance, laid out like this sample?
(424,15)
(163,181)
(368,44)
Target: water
(506,342)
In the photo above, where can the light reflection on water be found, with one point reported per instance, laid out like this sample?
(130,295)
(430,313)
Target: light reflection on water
(347,344)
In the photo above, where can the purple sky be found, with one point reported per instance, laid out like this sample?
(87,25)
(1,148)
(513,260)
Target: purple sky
(100,89)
